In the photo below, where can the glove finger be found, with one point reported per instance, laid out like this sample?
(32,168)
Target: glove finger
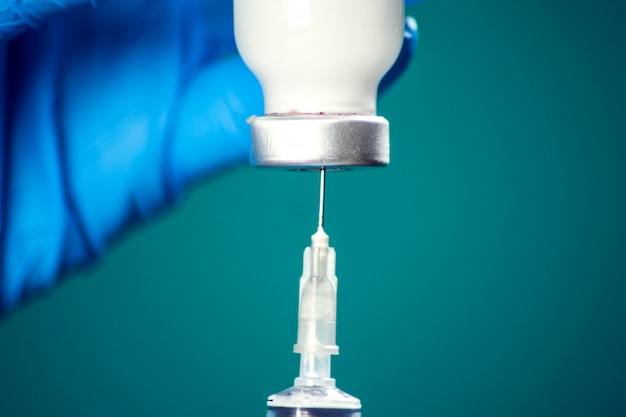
(125,109)
(19,15)
(117,86)
(405,56)
(38,221)
(211,131)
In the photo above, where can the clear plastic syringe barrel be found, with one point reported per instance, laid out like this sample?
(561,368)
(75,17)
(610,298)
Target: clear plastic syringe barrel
(317,313)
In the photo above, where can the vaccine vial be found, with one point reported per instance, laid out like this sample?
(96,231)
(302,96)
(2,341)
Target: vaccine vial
(319,63)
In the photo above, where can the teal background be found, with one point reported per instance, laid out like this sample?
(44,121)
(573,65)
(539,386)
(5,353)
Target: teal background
(483,273)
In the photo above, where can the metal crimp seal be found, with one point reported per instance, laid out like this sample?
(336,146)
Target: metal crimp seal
(314,141)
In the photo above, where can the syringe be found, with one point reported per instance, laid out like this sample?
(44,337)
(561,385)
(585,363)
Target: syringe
(314,392)
(319,64)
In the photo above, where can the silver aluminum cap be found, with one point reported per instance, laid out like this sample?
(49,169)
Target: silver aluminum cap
(314,141)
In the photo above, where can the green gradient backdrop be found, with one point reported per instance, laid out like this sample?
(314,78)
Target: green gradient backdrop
(482,274)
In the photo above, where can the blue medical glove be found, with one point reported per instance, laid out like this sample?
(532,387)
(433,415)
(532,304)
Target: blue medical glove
(106,114)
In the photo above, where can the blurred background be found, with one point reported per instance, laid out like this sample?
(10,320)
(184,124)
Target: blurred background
(483,273)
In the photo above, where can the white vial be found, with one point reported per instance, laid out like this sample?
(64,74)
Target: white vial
(322,58)
(319,56)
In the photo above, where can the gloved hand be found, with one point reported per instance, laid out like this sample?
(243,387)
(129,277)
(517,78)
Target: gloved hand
(106,114)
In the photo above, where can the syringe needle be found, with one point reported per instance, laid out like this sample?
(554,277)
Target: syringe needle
(322,190)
